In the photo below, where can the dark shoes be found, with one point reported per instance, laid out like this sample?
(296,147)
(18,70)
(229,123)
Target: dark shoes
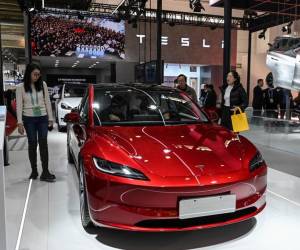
(34,175)
(46,176)
(32,148)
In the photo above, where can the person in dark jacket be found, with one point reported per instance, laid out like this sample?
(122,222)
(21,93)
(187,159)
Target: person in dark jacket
(182,85)
(271,99)
(258,98)
(233,97)
(209,97)
(285,101)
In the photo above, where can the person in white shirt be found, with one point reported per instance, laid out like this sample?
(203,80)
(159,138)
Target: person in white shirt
(34,116)
(233,97)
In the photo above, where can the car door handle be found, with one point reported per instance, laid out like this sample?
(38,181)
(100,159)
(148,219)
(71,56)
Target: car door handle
(275,59)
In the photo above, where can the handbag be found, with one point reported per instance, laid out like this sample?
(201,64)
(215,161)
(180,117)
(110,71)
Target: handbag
(239,121)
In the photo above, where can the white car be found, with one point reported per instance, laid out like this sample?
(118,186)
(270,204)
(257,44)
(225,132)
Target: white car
(69,98)
(283,59)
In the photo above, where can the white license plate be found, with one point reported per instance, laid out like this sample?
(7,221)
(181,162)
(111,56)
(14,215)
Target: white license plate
(199,207)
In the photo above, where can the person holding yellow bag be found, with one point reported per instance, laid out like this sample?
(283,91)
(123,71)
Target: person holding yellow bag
(234,98)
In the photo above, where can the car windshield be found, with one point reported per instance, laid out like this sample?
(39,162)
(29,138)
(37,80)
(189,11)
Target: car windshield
(139,107)
(74,91)
(285,44)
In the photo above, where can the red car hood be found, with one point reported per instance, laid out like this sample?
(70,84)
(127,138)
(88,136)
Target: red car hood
(177,151)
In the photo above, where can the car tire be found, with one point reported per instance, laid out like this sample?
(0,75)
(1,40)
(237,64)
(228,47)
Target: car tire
(84,209)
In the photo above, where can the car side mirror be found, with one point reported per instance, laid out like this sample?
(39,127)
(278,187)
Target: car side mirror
(56,96)
(72,117)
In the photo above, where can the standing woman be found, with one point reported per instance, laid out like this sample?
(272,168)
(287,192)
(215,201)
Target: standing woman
(233,97)
(34,114)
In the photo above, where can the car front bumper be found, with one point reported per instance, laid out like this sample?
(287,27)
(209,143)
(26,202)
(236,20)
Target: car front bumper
(151,209)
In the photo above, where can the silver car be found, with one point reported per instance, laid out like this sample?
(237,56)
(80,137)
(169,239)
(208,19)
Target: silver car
(69,98)
(283,59)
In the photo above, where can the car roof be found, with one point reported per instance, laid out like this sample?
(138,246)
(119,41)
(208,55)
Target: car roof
(140,86)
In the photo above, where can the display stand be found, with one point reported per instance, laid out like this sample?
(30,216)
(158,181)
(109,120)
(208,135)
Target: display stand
(2,182)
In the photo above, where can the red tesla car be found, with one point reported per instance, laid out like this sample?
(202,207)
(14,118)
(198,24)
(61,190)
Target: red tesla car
(149,159)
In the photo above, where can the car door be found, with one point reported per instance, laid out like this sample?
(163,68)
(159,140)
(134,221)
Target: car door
(77,136)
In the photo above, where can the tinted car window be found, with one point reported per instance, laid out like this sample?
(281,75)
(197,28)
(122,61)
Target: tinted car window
(137,107)
(84,110)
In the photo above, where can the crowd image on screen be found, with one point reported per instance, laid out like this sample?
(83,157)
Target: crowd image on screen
(56,35)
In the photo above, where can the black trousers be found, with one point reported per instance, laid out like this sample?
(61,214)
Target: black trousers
(226,117)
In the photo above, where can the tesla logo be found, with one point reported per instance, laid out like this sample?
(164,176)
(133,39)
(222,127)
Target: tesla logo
(184,41)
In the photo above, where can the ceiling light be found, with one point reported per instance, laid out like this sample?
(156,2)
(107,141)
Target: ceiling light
(262,35)
(250,14)
(97,62)
(287,28)
(196,5)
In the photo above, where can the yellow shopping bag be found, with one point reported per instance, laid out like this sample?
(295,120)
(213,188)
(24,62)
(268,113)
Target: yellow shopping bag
(239,121)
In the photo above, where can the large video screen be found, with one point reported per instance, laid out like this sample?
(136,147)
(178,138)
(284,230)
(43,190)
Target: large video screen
(77,36)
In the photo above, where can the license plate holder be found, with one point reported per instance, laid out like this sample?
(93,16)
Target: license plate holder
(207,206)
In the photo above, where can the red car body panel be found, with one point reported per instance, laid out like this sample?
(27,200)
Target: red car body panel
(181,162)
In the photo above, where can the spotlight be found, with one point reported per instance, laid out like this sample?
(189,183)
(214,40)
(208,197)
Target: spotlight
(250,13)
(196,5)
(287,28)
(262,35)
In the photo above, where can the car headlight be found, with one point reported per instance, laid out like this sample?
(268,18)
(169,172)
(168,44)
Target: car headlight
(118,169)
(256,162)
(65,106)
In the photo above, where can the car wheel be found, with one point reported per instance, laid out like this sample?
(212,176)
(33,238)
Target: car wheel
(84,209)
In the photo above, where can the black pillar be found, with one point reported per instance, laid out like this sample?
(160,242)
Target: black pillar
(1,73)
(27,26)
(249,63)
(227,38)
(158,44)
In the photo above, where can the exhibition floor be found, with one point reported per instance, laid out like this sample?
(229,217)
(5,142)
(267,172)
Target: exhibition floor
(53,218)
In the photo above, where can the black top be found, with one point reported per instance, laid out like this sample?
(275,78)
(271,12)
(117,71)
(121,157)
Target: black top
(210,99)
(271,99)
(238,96)
(258,98)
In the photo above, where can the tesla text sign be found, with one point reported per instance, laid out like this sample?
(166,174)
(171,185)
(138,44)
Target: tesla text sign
(182,44)
(184,41)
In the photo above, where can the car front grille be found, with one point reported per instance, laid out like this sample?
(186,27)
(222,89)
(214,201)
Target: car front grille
(200,221)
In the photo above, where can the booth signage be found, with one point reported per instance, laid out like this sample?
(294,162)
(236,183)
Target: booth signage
(184,41)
